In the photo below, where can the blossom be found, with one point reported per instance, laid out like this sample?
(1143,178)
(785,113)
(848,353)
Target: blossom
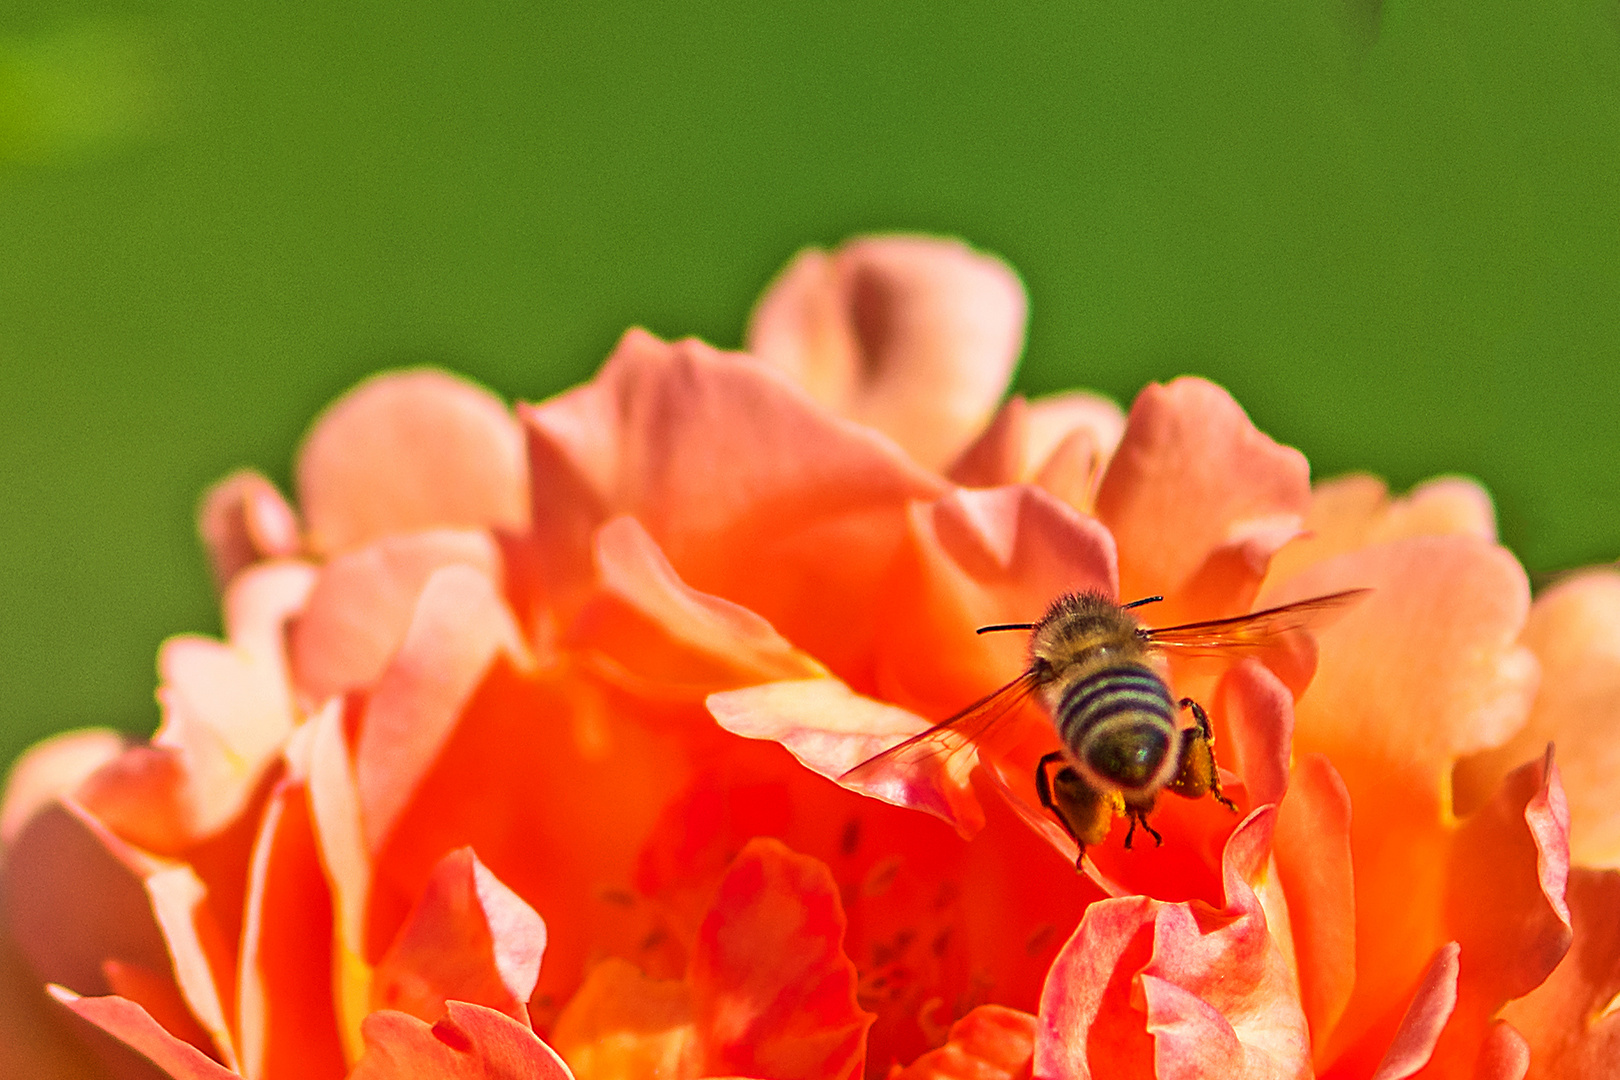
(521,748)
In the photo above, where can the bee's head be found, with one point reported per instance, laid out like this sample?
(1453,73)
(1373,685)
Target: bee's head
(1131,753)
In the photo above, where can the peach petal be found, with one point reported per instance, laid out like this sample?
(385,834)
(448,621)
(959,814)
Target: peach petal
(203,962)
(1425,1018)
(458,628)
(996,457)
(715,455)
(622,1025)
(1258,715)
(974,558)
(772,992)
(285,1013)
(1504,1056)
(34,1042)
(334,805)
(1570,1021)
(1314,865)
(470,1043)
(363,602)
(469,938)
(243,519)
(1574,630)
(411,450)
(226,712)
(52,767)
(1356,511)
(990,1043)
(915,336)
(1060,443)
(734,643)
(1057,418)
(130,1023)
(1198,500)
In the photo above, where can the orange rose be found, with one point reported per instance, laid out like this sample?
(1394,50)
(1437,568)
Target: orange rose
(452,793)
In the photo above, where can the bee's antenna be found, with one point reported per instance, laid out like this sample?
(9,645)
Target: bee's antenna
(1005,626)
(1139,603)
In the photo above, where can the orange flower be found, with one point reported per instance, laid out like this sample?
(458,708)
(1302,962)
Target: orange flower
(452,792)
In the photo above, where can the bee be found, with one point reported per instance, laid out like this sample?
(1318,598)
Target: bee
(1091,666)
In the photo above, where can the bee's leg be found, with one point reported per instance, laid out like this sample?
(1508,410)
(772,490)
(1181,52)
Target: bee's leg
(1043,790)
(1198,774)
(1139,817)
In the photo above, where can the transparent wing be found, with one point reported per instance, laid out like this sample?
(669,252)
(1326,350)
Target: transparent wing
(1257,630)
(941,744)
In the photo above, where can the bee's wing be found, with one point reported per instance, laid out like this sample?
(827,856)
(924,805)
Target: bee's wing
(941,745)
(1257,630)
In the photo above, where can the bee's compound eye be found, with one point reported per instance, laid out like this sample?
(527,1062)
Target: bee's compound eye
(1130,755)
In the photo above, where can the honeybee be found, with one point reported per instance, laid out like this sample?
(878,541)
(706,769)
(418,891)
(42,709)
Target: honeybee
(1090,666)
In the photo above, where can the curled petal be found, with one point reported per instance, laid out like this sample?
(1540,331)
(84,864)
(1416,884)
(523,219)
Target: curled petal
(53,767)
(772,992)
(243,519)
(1425,1018)
(470,938)
(912,335)
(990,1043)
(1199,500)
(470,1043)
(134,1026)
(406,451)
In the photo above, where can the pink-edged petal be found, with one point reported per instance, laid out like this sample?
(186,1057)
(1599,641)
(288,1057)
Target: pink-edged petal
(1312,845)
(131,1024)
(744,483)
(227,710)
(622,1024)
(363,602)
(1570,1021)
(973,558)
(411,450)
(1198,501)
(1504,1056)
(1356,511)
(470,1043)
(469,938)
(1086,1013)
(53,767)
(1574,630)
(772,992)
(1425,1018)
(459,627)
(990,1043)
(243,519)
(659,632)
(915,336)
(285,1014)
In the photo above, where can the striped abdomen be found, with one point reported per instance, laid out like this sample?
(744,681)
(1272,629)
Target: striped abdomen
(1119,724)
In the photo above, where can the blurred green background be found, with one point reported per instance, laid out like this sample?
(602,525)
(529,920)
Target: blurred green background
(1390,229)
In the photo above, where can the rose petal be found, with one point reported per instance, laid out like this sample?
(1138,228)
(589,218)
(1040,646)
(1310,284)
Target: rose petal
(772,992)
(243,519)
(623,1024)
(52,767)
(1198,501)
(363,602)
(203,961)
(1505,1055)
(470,938)
(130,1023)
(334,806)
(286,1015)
(1574,630)
(912,335)
(470,1043)
(1258,714)
(1419,1030)
(1057,418)
(990,1043)
(406,451)
(458,628)
(34,1042)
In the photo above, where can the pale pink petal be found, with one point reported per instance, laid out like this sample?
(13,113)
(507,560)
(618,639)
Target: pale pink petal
(470,1043)
(227,710)
(411,450)
(52,767)
(990,1043)
(1198,501)
(363,602)
(132,1024)
(243,519)
(772,992)
(458,628)
(469,938)
(915,336)
(1574,630)
(285,1013)
(1426,1015)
